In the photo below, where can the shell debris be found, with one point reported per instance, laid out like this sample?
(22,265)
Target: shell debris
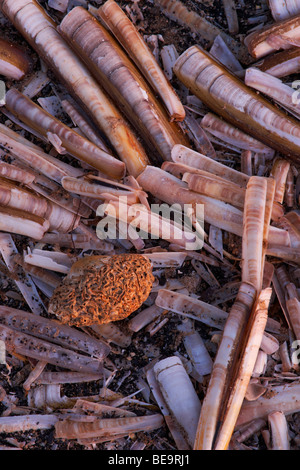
(149,225)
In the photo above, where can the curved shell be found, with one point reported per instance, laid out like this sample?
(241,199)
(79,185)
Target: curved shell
(121,81)
(40,31)
(14,62)
(128,36)
(179,394)
(239,105)
(283,9)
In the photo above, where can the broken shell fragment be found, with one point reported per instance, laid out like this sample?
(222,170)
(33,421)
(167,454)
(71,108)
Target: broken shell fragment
(14,62)
(23,223)
(281,35)
(283,9)
(281,64)
(180,395)
(101,289)
(177,11)
(231,135)
(284,398)
(279,431)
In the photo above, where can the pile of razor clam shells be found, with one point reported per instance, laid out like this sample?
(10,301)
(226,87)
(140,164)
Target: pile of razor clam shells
(109,109)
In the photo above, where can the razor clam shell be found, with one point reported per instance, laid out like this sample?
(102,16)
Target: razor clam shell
(78,118)
(189,157)
(279,172)
(54,261)
(286,223)
(81,148)
(198,354)
(233,136)
(189,306)
(40,31)
(168,55)
(285,253)
(77,240)
(252,341)
(53,331)
(60,5)
(28,345)
(282,63)
(13,172)
(293,308)
(128,36)
(54,192)
(216,188)
(253,231)
(88,188)
(248,430)
(274,88)
(280,438)
(12,195)
(179,169)
(48,278)
(173,426)
(177,11)
(220,51)
(138,216)
(69,429)
(283,398)
(49,378)
(172,190)
(143,318)
(283,9)
(34,157)
(48,397)
(179,394)
(22,199)
(281,35)
(289,195)
(166,260)
(101,409)
(121,81)
(35,83)
(112,334)
(231,16)
(285,357)
(14,62)
(23,282)
(198,135)
(230,98)
(221,372)
(259,369)
(22,223)
(30,422)
(269,343)
(246,162)
(34,374)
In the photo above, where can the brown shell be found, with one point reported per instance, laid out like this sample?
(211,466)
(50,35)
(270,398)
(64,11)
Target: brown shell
(102,289)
